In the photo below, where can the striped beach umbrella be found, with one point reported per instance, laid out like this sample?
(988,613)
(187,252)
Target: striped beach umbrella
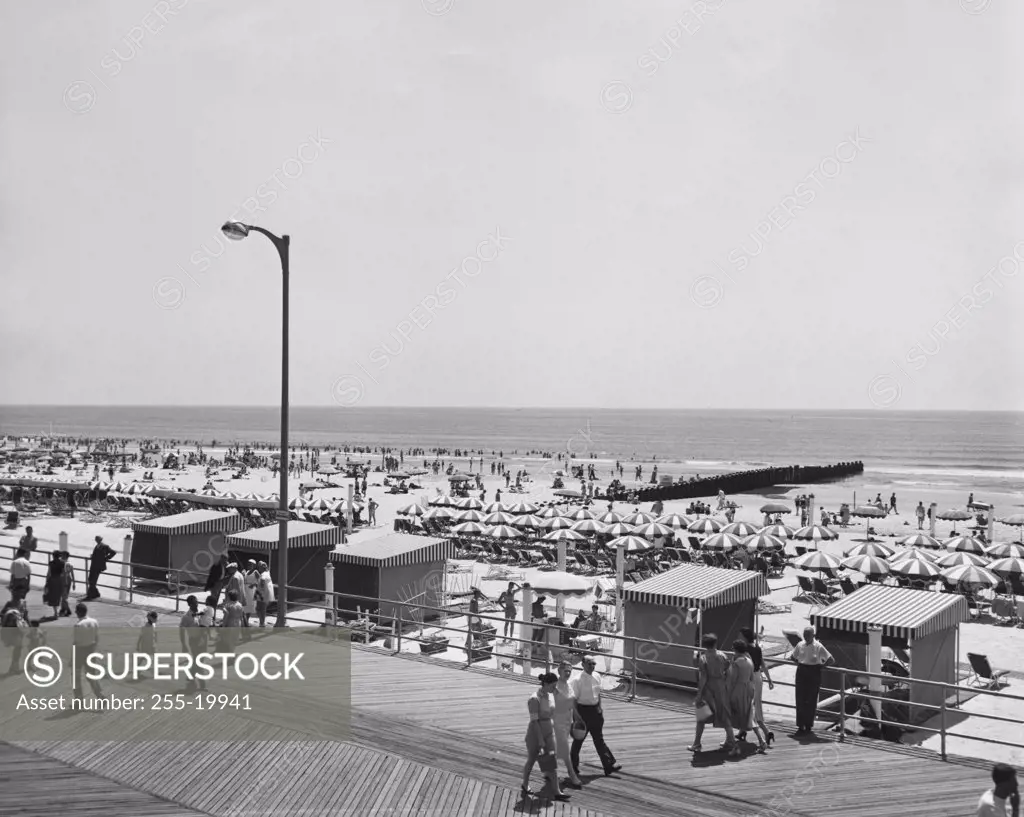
(555,523)
(631,544)
(870,566)
(320,505)
(559,583)
(588,526)
(442,501)
(495,507)
(970,576)
(779,530)
(868,512)
(204,492)
(652,530)
(502,532)
(876,549)
(563,535)
(676,521)
(1008,566)
(816,533)
(913,553)
(548,513)
(579,515)
(958,558)
(527,522)
(967,544)
(498,518)
(1006,550)
(297,504)
(468,529)
(411,510)
(469,504)
(763,541)
(775,507)
(618,529)
(817,560)
(609,518)
(706,526)
(721,541)
(953,515)
(518,508)
(1017,520)
(741,529)
(638,518)
(919,540)
(915,568)
(435,514)
(468,516)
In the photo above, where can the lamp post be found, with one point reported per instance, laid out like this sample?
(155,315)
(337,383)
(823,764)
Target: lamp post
(236,231)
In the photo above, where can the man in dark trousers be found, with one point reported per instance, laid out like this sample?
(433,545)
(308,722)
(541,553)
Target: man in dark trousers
(101,554)
(587,691)
(810,657)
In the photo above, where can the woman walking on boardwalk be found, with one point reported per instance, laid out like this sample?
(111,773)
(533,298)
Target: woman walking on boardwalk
(740,691)
(760,676)
(54,588)
(565,715)
(540,739)
(711,674)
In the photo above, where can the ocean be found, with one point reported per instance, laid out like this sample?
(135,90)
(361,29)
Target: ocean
(972,450)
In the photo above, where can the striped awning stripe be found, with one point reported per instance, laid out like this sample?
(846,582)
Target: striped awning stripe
(396,550)
(300,535)
(699,586)
(899,611)
(191,522)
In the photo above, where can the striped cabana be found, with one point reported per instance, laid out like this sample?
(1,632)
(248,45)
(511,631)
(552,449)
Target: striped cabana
(675,609)
(922,621)
(396,574)
(308,547)
(183,547)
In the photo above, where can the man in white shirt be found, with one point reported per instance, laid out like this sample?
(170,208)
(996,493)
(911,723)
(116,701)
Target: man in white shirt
(86,638)
(811,658)
(586,689)
(993,802)
(21,576)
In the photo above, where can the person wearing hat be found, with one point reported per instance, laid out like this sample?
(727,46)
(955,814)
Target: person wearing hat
(101,555)
(540,740)
(587,691)
(566,722)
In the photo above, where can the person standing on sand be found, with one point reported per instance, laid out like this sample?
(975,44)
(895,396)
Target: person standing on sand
(507,600)
(28,542)
(372,512)
(920,515)
(892,503)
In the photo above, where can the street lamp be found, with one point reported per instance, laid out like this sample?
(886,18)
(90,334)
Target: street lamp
(236,231)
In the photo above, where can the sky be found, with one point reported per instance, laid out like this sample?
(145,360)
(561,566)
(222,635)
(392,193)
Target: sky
(729,203)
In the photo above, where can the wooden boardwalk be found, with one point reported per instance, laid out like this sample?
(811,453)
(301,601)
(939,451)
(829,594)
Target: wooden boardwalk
(429,738)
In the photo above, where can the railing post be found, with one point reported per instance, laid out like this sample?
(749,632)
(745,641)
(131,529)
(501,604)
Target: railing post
(329,594)
(942,728)
(126,569)
(398,629)
(842,706)
(632,669)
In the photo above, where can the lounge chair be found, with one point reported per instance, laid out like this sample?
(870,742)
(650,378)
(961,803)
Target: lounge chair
(808,593)
(983,674)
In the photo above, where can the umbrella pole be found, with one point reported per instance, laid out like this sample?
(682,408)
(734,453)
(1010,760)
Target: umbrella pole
(620,578)
(560,600)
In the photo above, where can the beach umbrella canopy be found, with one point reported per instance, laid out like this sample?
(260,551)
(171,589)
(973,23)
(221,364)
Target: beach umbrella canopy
(502,532)
(781,531)
(559,583)
(564,535)
(204,492)
(296,504)
(588,526)
(763,541)
(618,529)
(443,501)
(631,544)
(638,518)
(653,530)
(548,513)
(919,540)
(1006,550)
(498,518)
(705,526)
(816,533)
(521,508)
(329,469)
(915,568)
(568,493)
(970,576)
(468,529)
(876,549)
(913,553)
(953,515)
(579,515)
(721,541)
(495,507)
(817,560)
(960,557)
(776,507)
(468,516)
(965,543)
(868,565)
(438,513)
(1017,520)
(676,521)
(528,521)
(1009,566)
(865,511)
(741,529)
(320,505)
(469,504)
(555,523)
(610,518)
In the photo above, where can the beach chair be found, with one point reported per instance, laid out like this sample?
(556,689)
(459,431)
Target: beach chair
(983,674)
(684,556)
(822,589)
(847,586)
(694,542)
(1005,610)
(808,593)
(800,550)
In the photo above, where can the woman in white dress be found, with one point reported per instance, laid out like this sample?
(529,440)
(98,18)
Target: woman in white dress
(760,676)
(252,581)
(565,714)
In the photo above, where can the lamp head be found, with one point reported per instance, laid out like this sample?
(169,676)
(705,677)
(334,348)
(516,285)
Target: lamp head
(235,230)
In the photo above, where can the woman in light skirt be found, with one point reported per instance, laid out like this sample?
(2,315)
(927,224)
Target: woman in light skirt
(760,676)
(740,692)
(565,714)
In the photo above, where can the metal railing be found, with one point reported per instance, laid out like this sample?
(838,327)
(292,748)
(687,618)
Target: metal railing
(403,619)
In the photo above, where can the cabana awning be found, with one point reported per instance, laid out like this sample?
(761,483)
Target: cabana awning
(191,522)
(899,611)
(697,586)
(300,535)
(395,550)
